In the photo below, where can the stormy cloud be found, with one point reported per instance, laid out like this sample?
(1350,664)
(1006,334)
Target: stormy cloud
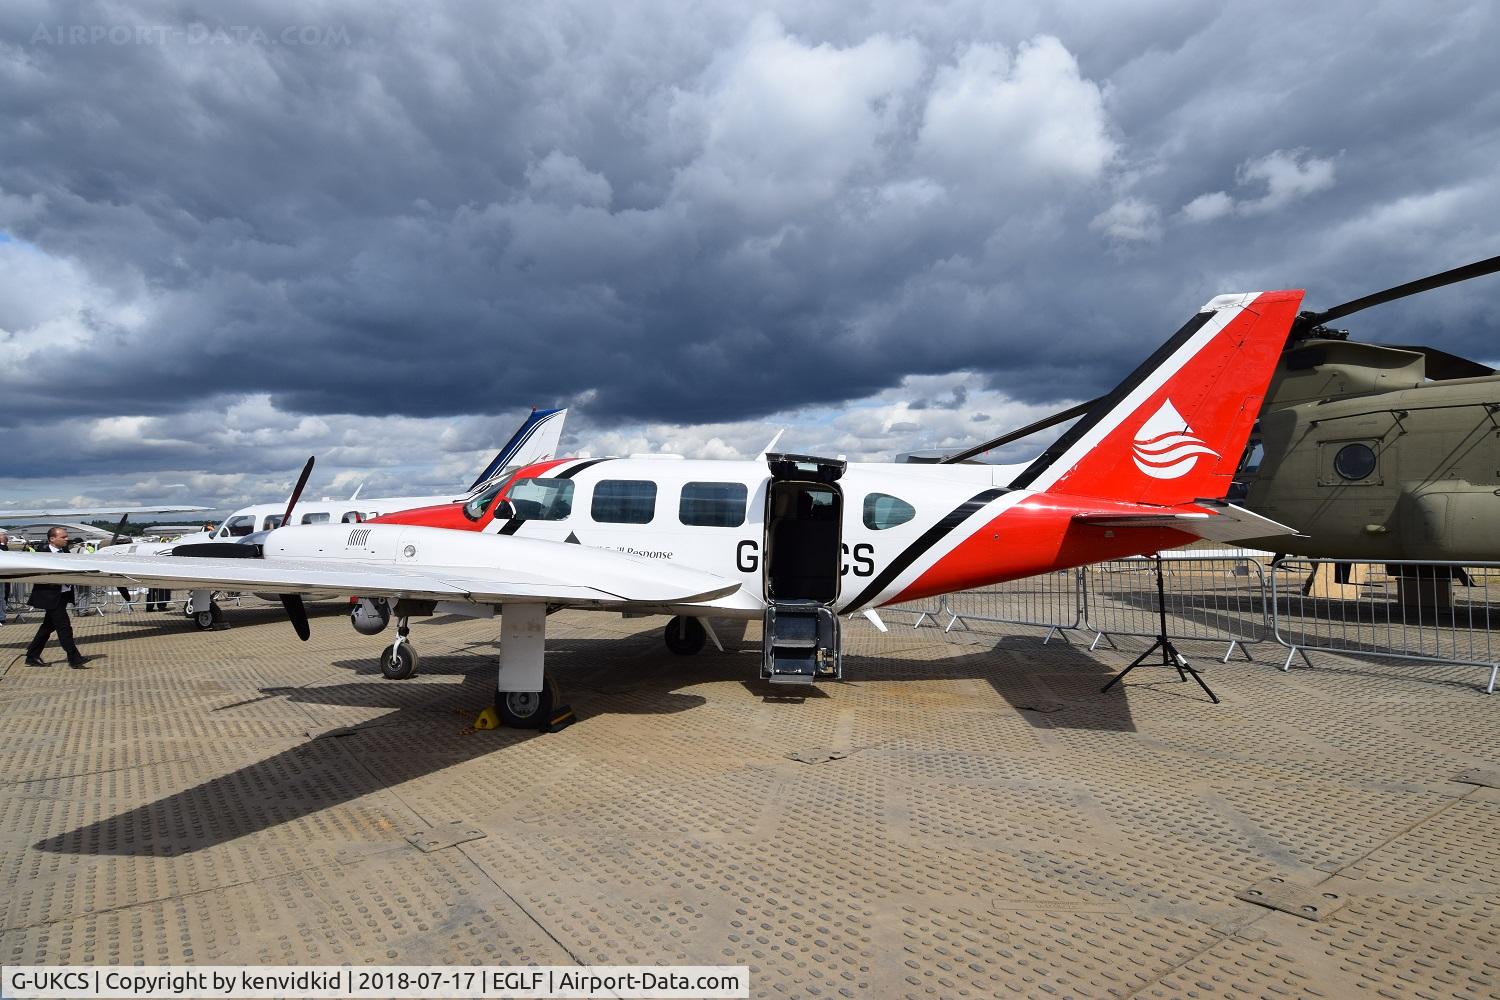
(380,232)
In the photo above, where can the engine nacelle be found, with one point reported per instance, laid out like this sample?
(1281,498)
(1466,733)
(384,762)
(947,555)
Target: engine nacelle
(370,616)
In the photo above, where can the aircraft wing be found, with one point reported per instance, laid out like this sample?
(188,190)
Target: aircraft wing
(591,578)
(99,511)
(1214,519)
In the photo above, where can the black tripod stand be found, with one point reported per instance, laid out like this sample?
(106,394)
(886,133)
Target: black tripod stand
(1169,655)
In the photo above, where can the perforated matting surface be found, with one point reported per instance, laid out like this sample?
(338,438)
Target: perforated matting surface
(988,824)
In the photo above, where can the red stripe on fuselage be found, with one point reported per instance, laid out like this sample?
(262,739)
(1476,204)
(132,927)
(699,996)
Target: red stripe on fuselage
(1038,535)
(451,515)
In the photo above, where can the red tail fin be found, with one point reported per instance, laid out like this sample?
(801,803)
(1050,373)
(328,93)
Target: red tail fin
(1174,430)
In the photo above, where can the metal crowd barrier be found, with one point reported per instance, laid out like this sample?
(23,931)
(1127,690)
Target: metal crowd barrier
(1215,597)
(1405,610)
(925,610)
(1053,601)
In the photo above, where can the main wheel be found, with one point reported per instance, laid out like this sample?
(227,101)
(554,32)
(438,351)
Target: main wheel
(685,636)
(398,663)
(204,620)
(527,709)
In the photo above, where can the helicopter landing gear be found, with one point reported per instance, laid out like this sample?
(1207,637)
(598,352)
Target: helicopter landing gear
(398,661)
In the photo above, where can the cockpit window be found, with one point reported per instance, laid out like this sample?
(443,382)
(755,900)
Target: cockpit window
(239,526)
(480,502)
(542,499)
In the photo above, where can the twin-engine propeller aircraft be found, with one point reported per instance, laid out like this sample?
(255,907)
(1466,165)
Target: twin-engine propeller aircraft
(794,540)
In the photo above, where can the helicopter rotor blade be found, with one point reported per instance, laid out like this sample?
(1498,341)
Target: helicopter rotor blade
(1478,269)
(1016,435)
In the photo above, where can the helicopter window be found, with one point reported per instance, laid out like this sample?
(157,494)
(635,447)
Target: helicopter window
(883,511)
(1354,461)
(1254,453)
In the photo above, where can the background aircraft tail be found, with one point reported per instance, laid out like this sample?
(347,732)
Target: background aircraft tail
(536,440)
(1174,431)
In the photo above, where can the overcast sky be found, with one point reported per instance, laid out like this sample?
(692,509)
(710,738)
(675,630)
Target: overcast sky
(235,234)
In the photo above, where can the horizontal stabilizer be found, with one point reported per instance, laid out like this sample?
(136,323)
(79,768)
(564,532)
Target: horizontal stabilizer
(1222,522)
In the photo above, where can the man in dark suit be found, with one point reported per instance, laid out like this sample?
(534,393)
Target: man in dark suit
(53,599)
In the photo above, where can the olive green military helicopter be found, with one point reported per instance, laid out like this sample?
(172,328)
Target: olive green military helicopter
(1371,451)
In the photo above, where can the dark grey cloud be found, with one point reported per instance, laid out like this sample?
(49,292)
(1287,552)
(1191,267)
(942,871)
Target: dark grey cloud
(677,216)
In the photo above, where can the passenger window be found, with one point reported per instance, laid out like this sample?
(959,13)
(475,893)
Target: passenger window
(624,501)
(542,499)
(272,522)
(884,511)
(240,526)
(315,518)
(351,517)
(712,505)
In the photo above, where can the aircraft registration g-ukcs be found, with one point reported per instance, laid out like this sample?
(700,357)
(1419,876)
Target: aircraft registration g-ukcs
(794,540)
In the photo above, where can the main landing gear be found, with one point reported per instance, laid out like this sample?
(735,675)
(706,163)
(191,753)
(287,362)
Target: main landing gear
(525,697)
(398,661)
(686,635)
(204,610)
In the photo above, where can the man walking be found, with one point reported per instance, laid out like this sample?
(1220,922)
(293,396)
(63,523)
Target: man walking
(53,599)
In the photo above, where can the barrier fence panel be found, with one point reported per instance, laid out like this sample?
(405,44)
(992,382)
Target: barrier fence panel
(926,610)
(1052,601)
(1440,612)
(1214,598)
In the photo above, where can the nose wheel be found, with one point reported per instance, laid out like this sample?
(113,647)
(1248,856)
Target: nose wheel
(398,661)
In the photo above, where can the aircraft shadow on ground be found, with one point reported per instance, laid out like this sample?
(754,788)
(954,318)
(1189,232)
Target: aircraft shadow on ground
(419,735)
(90,629)
(598,676)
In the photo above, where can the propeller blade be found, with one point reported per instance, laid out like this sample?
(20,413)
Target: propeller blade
(297,493)
(119,528)
(297,612)
(1478,269)
(1009,436)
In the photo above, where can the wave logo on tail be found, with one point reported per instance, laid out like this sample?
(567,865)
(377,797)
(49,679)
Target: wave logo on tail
(1166,447)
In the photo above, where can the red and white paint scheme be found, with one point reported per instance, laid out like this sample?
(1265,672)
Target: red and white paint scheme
(798,540)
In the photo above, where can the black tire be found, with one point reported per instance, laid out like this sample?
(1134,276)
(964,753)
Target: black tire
(216,613)
(204,620)
(401,664)
(528,709)
(685,636)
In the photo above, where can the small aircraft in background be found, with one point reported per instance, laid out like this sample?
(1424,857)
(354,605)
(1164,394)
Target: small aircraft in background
(536,440)
(792,540)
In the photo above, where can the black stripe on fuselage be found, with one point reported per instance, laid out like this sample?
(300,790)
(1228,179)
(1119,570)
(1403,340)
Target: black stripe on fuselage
(929,538)
(575,470)
(1106,405)
(514,524)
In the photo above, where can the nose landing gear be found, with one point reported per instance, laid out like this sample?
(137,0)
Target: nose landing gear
(398,661)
